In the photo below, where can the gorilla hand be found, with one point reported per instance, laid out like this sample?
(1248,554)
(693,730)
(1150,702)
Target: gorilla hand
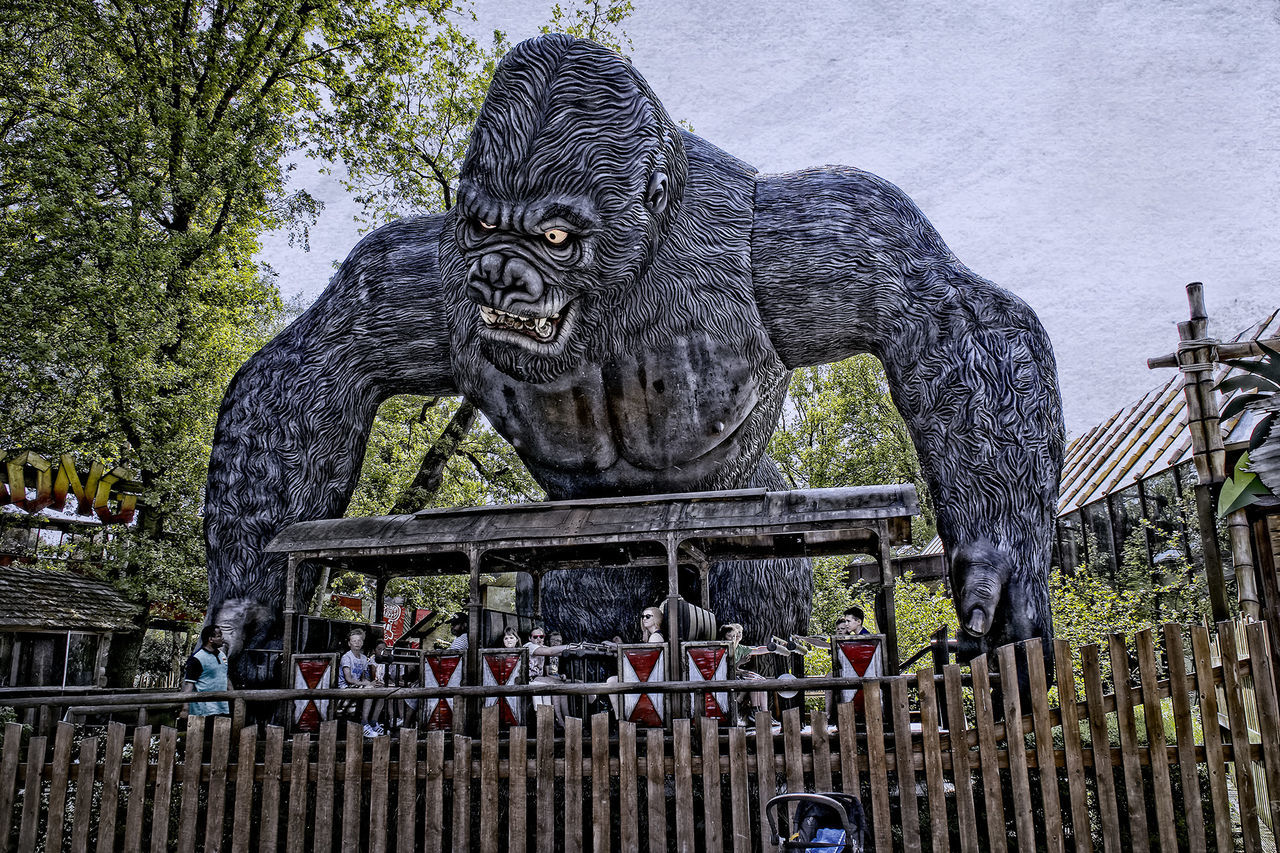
(982,576)
(986,601)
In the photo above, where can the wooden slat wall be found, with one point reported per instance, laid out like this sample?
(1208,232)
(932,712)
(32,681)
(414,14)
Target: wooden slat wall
(601,786)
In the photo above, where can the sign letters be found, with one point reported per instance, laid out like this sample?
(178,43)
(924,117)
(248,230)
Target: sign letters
(95,494)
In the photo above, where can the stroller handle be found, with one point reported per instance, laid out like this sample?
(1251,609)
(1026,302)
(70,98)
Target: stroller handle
(830,800)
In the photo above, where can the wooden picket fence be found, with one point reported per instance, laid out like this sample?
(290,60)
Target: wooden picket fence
(1157,754)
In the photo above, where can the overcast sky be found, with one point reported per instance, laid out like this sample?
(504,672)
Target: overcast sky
(1092,157)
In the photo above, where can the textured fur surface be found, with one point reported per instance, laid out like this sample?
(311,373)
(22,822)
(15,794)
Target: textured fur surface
(672,290)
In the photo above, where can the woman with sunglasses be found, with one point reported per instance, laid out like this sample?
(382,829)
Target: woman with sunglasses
(539,652)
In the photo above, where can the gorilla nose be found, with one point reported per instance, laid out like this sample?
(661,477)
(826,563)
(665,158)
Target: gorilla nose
(500,279)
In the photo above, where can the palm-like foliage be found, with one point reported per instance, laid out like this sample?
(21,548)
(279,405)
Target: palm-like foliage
(1259,389)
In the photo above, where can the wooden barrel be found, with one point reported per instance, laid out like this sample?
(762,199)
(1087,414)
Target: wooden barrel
(696,623)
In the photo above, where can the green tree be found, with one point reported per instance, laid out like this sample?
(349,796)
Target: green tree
(140,158)
(839,427)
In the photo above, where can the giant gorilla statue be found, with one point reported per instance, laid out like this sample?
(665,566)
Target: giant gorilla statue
(624,302)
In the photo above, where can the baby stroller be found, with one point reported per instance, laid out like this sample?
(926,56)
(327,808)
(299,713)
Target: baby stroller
(824,823)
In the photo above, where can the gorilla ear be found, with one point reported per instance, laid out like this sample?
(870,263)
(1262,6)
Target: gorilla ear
(655,196)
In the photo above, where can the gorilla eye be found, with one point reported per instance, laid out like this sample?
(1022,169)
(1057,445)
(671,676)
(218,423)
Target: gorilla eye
(556,236)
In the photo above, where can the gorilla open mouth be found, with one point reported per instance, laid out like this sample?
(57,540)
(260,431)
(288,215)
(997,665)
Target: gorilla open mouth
(541,329)
(545,334)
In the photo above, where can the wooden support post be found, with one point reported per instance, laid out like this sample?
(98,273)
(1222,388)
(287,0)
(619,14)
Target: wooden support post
(886,616)
(1196,357)
(673,614)
(1242,561)
(470,709)
(379,593)
(1264,557)
(290,578)
(941,657)
(535,577)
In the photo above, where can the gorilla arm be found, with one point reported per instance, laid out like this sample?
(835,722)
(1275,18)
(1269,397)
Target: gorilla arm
(294,422)
(844,263)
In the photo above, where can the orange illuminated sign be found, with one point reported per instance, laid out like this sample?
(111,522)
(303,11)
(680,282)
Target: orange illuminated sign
(110,495)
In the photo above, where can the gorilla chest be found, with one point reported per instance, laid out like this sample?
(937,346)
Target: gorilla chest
(652,409)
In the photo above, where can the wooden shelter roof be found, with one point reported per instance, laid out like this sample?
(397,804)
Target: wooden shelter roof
(720,525)
(37,599)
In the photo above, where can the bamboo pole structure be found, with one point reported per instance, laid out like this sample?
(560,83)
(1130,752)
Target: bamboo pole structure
(1196,356)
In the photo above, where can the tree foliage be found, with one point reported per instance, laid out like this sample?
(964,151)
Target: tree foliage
(839,427)
(140,152)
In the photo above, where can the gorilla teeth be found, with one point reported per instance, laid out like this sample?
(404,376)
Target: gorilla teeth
(542,328)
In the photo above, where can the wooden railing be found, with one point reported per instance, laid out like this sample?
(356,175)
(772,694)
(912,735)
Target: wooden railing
(1138,762)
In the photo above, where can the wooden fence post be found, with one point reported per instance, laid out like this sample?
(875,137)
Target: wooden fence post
(84,795)
(600,781)
(961,754)
(712,810)
(904,764)
(1100,743)
(573,785)
(739,789)
(299,770)
(931,745)
(215,811)
(60,773)
(1016,744)
(326,756)
(984,719)
(108,803)
(628,786)
(1183,726)
(546,789)
(460,835)
(1240,751)
(31,789)
(9,760)
(272,773)
(682,764)
(139,764)
(488,828)
(1212,731)
(1161,789)
(433,794)
(877,764)
(1046,761)
(407,791)
(655,778)
(1072,748)
(1127,726)
(1268,714)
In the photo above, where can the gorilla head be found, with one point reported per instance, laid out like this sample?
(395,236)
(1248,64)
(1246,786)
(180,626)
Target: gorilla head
(573,177)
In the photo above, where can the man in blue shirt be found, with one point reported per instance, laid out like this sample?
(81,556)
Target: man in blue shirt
(206,671)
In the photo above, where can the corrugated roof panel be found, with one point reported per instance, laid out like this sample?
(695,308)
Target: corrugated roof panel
(1145,438)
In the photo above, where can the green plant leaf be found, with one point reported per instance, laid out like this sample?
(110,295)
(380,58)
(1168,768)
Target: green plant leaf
(1242,489)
